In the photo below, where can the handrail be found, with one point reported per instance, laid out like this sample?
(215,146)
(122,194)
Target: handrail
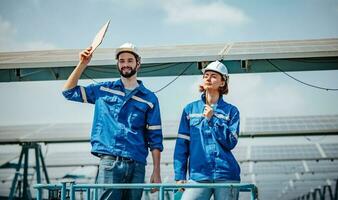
(72,187)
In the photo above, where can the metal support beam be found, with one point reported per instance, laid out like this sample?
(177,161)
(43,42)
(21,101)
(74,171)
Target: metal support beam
(44,168)
(171,69)
(320,193)
(16,184)
(17,172)
(25,193)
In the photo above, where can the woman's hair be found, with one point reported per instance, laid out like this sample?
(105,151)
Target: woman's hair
(224,90)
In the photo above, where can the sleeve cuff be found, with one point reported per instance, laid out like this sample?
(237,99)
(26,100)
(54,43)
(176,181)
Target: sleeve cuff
(68,92)
(159,147)
(179,177)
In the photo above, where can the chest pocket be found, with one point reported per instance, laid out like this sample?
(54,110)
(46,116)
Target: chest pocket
(221,121)
(137,117)
(110,100)
(195,121)
(112,103)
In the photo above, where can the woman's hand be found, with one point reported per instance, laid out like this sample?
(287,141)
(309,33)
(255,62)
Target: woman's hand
(208,111)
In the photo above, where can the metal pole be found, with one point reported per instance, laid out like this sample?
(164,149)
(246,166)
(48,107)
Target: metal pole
(17,172)
(63,190)
(43,165)
(37,167)
(88,194)
(336,191)
(25,174)
(329,190)
(38,195)
(252,197)
(72,191)
(37,163)
(96,195)
(161,193)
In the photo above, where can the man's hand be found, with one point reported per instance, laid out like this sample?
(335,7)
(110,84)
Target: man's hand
(84,59)
(85,56)
(155,178)
(181,182)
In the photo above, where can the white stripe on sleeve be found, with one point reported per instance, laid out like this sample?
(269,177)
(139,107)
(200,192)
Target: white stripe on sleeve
(156,127)
(183,136)
(83,93)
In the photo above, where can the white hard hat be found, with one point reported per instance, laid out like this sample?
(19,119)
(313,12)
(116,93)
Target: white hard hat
(126,47)
(217,66)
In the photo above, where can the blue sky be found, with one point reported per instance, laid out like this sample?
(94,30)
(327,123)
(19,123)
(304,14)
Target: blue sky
(46,24)
(38,24)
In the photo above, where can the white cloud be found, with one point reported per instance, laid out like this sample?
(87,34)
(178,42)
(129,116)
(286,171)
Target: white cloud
(255,97)
(7,32)
(189,12)
(38,45)
(9,42)
(130,3)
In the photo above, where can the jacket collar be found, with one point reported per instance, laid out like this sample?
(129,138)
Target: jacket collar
(219,102)
(140,88)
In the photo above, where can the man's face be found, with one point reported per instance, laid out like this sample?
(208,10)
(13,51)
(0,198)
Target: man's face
(127,64)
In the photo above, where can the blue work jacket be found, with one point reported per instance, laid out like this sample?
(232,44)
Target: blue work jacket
(123,125)
(206,144)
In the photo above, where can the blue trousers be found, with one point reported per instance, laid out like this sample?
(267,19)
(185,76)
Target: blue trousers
(113,171)
(206,193)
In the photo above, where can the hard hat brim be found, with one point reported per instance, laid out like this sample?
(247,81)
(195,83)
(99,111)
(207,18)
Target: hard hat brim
(205,70)
(125,51)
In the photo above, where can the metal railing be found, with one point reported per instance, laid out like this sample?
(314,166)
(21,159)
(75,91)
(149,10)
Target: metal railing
(71,188)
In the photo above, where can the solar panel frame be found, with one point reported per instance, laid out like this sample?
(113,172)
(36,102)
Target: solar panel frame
(179,53)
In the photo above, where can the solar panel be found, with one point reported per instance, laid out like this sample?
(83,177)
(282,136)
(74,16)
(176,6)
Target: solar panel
(331,150)
(323,165)
(319,176)
(71,159)
(6,174)
(58,172)
(285,167)
(280,49)
(291,125)
(240,152)
(287,152)
(179,53)
(271,178)
(71,132)
(8,153)
(271,163)
(60,132)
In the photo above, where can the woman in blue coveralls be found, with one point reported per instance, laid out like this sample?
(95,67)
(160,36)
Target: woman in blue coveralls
(208,131)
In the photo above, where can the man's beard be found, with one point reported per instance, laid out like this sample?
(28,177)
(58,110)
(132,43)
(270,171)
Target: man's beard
(128,74)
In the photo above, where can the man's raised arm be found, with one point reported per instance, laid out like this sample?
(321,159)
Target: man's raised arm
(72,80)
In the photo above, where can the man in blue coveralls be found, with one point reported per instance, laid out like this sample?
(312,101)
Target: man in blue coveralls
(126,123)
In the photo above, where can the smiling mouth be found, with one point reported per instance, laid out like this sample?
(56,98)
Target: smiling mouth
(126,68)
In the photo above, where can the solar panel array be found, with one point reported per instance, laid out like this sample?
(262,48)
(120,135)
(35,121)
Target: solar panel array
(179,53)
(70,132)
(281,167)
(293,125)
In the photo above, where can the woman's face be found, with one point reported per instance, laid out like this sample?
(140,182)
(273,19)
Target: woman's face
(212,81)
